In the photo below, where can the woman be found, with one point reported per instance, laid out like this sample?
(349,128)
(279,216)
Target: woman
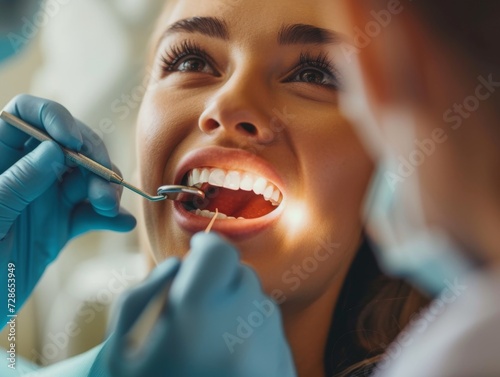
(243,101)
(255,96)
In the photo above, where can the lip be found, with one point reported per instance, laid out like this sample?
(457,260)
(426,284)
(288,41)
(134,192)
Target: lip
(228,159)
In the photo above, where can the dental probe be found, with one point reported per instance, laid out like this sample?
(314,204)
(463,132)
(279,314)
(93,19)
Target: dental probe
(172,192)
(143,326)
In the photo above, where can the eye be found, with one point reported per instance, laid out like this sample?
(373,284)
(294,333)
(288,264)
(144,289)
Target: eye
(316,71)
(193,64)
(187,57)
(312,76)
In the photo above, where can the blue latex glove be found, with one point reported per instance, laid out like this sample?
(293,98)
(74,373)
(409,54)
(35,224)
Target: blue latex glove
(217,321)
(43,206)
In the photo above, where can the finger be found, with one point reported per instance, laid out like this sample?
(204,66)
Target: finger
(103,195)
(30,177)
(211,266)
(85,219)
(44,114)
(134,301)
(9,156)
(74,188)
(75,191)
(30,145)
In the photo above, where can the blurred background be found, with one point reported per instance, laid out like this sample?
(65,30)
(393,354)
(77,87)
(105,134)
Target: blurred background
(90,56)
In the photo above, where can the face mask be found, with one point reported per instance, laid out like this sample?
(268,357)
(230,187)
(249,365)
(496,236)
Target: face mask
(405,245)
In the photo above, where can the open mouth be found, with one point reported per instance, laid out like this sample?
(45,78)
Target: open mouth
(237,195)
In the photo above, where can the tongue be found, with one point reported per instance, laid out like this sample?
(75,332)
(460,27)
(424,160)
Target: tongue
(234,203)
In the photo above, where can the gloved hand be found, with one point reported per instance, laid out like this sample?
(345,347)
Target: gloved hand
(217,321)
(43,206)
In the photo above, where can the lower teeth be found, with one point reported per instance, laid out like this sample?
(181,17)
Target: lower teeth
(209,214)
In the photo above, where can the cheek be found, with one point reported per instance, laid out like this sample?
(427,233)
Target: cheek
(337,171)
(161,129)
(161,132)
(334,174)
(303,270)
(149,135)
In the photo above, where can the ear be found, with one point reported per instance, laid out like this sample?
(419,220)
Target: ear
(390,50)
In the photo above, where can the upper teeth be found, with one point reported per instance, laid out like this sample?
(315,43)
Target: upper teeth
(236,180)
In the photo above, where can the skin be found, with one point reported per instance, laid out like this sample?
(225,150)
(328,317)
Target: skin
(323,167)
(459,182)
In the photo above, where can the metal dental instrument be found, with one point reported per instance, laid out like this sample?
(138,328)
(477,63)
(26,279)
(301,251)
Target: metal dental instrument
(172,192)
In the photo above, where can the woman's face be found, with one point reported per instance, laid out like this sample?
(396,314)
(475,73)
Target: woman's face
(243,100)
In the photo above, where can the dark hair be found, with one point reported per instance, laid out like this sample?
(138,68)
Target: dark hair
(371,310)
(470,25)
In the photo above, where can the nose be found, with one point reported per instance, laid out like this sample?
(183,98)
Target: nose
(238,111)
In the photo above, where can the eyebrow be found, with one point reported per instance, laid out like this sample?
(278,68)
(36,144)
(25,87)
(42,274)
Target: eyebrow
(306,34)
(288,34)
(210,26)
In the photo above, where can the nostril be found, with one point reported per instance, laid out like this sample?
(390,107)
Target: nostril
(248,127)
(210,125)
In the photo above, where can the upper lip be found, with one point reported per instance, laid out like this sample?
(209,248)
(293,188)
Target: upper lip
(228,159)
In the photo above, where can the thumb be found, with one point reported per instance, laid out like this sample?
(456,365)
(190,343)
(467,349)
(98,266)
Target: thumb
(26,180)
(85,219)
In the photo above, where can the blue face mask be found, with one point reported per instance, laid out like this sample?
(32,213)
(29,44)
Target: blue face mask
(405,245)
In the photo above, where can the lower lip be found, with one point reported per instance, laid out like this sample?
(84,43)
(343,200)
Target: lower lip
(233,229)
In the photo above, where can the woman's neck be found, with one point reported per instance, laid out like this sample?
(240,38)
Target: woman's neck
(307,328)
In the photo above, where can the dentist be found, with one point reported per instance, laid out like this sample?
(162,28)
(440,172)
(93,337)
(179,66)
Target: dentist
(424,84)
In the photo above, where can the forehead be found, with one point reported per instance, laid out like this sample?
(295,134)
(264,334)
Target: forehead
(247,18)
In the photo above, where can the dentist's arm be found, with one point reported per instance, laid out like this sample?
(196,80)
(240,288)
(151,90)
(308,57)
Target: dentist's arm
(43,202)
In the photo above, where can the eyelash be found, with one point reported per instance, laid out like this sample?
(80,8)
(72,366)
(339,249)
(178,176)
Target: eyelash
(320,62)
(177,52)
